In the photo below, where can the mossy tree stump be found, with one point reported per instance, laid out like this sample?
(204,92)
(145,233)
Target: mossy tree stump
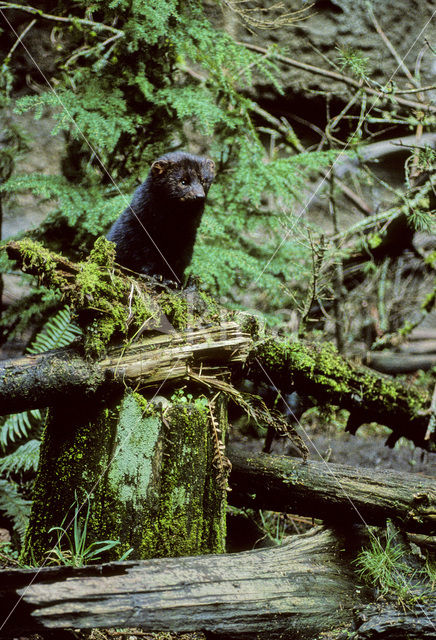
(148,476)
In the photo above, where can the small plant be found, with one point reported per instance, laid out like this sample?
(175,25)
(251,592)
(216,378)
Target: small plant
(386,566)
(181,397)
(353,60)
(274,525)
(78,553)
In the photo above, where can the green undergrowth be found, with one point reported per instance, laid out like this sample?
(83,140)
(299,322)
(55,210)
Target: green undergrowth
(388,566)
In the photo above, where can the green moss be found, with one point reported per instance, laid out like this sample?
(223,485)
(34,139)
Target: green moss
(36,259)
(109,306)
(320,372)
(175,308)
(136,469)
(189,518)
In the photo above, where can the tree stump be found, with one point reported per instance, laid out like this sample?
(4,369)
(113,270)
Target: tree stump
(146,475)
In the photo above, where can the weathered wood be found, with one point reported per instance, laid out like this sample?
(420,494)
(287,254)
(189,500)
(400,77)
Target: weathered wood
(46,379)
(333,492)
(304,587)
(318,371)
(390,623)
(393,362)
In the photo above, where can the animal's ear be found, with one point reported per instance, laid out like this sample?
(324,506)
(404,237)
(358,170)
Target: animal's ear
(159,167)
(210,165)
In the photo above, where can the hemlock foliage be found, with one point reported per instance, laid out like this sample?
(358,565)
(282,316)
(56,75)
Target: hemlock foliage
(163,78)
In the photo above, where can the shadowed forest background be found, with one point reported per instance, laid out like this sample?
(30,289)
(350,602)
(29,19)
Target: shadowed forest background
(321,221)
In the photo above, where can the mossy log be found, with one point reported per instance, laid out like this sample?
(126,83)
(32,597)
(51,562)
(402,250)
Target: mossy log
(130,472)
(305,587)
(35,381)
(332,492)
(320,373)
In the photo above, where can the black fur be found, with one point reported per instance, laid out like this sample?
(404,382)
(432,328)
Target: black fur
(156,233)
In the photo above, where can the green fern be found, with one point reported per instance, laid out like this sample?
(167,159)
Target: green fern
(58,332)
(24,458)
(18,426)
(16,508)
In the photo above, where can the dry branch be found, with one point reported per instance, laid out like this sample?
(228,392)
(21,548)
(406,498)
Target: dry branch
(378,93)
(333,492)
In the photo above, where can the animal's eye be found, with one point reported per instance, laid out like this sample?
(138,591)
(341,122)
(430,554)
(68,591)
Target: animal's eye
(184,182)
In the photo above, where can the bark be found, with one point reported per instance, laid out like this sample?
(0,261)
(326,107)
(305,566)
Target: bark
(48,378)
(304,587)
(333,492)
(320,373)
(125,472)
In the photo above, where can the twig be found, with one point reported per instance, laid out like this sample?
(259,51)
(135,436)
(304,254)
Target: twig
(48,16)
(339,272)
(352,195)
(19,39)
(391,47)
(317,260)
(341,78)
(249,17)
(430,88)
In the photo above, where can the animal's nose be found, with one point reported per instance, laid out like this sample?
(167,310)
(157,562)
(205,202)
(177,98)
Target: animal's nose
(197,192)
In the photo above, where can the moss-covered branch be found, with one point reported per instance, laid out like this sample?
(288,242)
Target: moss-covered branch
(116,308)
(110,305)
(319,372)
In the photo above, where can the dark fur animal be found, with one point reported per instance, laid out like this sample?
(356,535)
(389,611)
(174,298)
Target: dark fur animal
(156,233)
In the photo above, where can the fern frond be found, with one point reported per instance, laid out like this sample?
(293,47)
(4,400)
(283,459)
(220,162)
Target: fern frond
(19,425)
(24,458)
(14,506)
(59,331)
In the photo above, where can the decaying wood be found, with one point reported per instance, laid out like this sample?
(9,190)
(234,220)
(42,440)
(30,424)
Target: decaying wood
(333,492)
(46,379)
(390,623)
(304,587)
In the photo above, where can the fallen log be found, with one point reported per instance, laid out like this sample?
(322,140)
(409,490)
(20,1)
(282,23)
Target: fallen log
(393,362)
(332,492)
(35,381)
(304,587)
